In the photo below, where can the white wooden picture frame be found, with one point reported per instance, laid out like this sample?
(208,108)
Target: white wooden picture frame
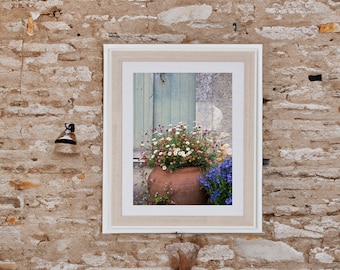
(244,63)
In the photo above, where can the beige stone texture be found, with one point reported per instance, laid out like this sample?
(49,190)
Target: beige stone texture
(51,73)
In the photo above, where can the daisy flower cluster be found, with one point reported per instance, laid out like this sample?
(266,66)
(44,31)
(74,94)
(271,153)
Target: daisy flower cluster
(176,146)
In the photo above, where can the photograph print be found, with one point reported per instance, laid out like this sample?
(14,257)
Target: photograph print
(182,153)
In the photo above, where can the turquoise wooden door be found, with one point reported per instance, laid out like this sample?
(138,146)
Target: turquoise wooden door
(163,99)
(143,106)
(174,98)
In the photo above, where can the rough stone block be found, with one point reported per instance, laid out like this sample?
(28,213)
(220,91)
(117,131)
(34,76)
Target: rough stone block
(185,14)
(321,255)
(270,251)
(298,7)
(56,26)
(182,255)
(288,33)
(95,260)
(10,236)
(48,47)
(10,62)
(215,253)
(282,231)
(56,76)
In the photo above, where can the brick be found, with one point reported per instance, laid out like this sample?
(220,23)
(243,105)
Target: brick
(325,209)
(15,45)
(69,56)
(289,210)
(329,28)
(34,110)
(305,154)
(45,47)
(331,221)
(8,265)
(42,263)
(298,7)
(133,18)
(14,26)
(9,202)
(95,260)
(287,33)
(337,255)
(56,26)
(297,106)
(166,38)
(97,17)
(67,74)
(44,58)
(20,185)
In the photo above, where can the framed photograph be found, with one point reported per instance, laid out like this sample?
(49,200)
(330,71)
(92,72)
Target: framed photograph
(182,142)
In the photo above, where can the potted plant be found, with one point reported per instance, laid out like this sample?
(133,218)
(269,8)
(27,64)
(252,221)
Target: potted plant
(179,156)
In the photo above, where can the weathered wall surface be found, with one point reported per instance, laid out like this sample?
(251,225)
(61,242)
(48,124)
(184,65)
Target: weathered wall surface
(51,73)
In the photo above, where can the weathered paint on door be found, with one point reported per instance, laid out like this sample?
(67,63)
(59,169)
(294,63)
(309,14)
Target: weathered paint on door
(163,99)
(143,106)
(174,98)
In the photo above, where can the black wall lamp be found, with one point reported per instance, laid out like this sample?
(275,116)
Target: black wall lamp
(67,136)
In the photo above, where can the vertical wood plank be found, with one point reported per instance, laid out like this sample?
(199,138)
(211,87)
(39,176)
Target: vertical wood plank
(138,95)
(175,98)
(143,109)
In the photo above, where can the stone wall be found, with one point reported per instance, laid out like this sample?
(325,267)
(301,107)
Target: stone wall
(51,73)
(214,104)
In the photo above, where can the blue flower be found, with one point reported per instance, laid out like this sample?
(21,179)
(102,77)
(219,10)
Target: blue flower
(204,183)
(218,183)
(215,195)
(229,201)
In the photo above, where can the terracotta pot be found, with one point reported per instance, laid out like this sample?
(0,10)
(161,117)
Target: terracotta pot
(184,182)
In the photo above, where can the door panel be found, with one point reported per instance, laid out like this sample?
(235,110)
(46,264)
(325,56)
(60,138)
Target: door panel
(163,99)
(174,98)
(143,108)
